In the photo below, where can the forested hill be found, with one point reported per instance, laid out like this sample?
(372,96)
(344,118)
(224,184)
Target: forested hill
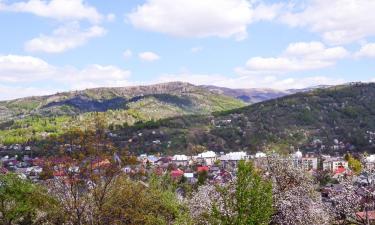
(334,119)
(174,96)
(36,117)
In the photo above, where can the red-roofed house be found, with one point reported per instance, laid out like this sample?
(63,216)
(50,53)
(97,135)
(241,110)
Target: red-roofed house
(177,173)
(202,168)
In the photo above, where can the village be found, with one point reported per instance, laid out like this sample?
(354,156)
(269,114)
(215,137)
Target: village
(219,167)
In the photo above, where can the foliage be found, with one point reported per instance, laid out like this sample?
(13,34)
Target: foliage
(295,197)
(246,200)
(22,202)
(354,164)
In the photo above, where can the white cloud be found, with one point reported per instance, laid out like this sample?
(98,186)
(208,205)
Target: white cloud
(63,10)
(64,38)
(299,56)
(251,81)
(338,21)
(127,54)
(367,50)
(67,12)
(148,56)
(31,72)
(197,18)
(14,68)
(95,76)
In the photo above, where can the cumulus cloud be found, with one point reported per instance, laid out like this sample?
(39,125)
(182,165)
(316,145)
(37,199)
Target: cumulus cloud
(367,50)
(197,18)
(64,38)
(338,21)
(299,56)
(63,10)
(31,72)
(69,13)
(15,68)
(148,56)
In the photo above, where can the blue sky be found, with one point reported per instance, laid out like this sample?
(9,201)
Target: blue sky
(59,45)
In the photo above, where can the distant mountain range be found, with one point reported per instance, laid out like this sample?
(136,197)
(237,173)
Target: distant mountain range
(255,95)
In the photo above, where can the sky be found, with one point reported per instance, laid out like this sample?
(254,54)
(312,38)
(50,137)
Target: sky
(50,46)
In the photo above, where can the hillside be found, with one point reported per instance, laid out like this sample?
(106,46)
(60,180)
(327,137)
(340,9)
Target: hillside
(334,119)
(26,118)
(250,95)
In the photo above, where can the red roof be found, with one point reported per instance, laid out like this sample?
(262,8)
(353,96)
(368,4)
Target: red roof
(202,168)
(362,215)
(177,173)
(59,173)
(340,170)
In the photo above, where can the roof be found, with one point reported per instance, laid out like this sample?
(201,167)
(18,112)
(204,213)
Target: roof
(260,155)
(177,173)
(234,156)
(202,168)
(340,170)
(180,157)
(164,160)
(362,215)
(208,154)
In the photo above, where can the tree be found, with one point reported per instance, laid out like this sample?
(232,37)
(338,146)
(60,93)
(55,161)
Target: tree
(295,197)
(245,200)
(134,202)
(22,202)
(354,164)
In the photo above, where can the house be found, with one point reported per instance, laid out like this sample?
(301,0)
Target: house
(332,164)
(164,162)
(180,160)
(260,155)
(232,158)
(201,169)
(208,158)
(190,177)
(309,162)
(175,174)
(370,162)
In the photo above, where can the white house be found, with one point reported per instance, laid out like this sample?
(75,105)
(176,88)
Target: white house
(332,164)
(370,162)
(180,160)
(208,157)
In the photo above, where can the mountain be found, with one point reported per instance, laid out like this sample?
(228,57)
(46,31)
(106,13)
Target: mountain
(255,95)
(334,119)
(24,118)
(251,95)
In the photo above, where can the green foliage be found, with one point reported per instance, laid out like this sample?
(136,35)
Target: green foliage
(22,201)
(354,164)
(249,203)
(202,177)
(134,203)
